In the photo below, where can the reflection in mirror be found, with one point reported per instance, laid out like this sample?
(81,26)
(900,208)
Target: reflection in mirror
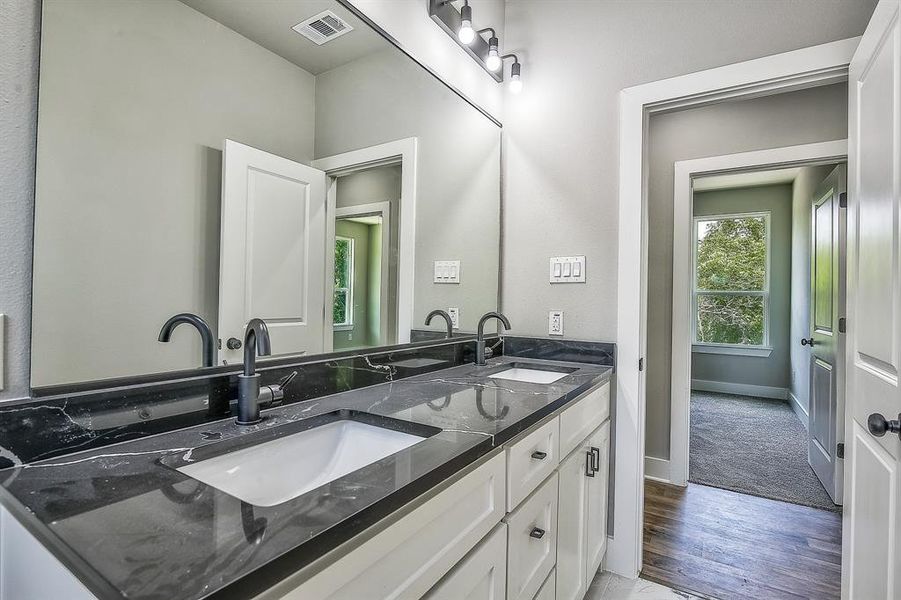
(220,161)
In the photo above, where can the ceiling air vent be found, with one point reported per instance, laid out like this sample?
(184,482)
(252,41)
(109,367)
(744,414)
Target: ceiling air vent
(323,27)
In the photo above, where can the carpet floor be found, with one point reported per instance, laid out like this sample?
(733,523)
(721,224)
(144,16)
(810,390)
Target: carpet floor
(755,446)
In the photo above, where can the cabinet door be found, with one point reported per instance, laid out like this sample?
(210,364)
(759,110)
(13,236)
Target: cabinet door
(532,541)
(572,524)
(597,501)
(481,575)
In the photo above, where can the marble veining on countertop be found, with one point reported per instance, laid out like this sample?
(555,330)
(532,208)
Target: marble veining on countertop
(130,527)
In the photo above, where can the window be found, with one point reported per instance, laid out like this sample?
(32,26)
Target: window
(343,309)
(731,281)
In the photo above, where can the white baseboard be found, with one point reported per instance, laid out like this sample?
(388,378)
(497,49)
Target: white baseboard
(741,389)
(656,469)
(802,413)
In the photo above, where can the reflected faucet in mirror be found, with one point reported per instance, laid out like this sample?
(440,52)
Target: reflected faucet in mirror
(206,334)
(447,318)
(480,335)
(251,396)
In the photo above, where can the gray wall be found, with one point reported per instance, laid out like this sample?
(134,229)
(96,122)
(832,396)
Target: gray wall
(802,198)
(772,370)
(814,115)
(127,234)
(458,178)
(561,133)
(19,50)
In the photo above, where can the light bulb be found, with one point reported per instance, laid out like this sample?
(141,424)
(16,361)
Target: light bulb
(515,77)
(493,62)
(466,34)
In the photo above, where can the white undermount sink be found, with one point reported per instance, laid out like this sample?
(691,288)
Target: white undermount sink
(276,471)
(529,375)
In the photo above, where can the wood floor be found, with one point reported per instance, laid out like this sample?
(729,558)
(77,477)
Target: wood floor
(729,546)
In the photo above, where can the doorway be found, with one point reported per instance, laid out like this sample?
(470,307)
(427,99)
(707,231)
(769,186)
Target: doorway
(758,249)
(363,301)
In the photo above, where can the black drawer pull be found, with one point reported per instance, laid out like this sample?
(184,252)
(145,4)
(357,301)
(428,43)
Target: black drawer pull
(589,462)
(595,459)
(539,455)
(537,533)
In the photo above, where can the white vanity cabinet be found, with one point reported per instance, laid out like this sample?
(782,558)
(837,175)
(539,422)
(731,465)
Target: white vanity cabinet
(481,575)
(582,524)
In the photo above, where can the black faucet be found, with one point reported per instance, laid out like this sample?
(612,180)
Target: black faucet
(480,333)
(206,334)
(250,394)
(446,317)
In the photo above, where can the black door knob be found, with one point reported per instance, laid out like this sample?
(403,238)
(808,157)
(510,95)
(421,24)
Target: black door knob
(233,343)
(879,426)
(807,342)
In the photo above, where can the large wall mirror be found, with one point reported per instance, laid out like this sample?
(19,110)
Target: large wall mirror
(233,159)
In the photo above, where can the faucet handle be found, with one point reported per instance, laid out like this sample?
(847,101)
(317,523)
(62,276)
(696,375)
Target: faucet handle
(286,381)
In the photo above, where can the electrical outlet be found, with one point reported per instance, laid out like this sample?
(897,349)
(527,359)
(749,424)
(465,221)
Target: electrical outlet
(454,313)
(555,322)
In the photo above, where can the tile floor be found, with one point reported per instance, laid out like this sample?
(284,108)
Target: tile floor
(608,586)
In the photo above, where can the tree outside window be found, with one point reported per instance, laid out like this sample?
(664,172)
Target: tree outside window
(731,279)
(343,308)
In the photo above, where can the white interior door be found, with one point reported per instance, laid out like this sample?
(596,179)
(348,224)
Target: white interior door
(272,251)
(827,297)
(871,559)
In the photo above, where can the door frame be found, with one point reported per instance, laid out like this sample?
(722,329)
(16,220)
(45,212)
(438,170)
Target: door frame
(383,209)
(790,71)
(683,235)
(403,152)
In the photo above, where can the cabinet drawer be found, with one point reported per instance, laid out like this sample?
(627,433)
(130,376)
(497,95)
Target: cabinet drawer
(530,460)
(412,554)
(583,417)
(532,542)
(481,575)
(547,588)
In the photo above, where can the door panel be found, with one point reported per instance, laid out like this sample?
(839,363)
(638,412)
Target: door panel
(827,305)
(597,501)
(871,549)
(272,251)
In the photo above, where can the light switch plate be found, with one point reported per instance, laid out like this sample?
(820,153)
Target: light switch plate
(555,322)
(454,313)
(447,271)
(567,269)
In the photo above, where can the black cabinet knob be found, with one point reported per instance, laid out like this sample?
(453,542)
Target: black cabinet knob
(539,455)
(537,533)
(807,342)
(879,426)
(233,343)
(589,464)
(595,459)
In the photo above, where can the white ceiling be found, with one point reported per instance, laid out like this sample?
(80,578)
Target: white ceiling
(741,180)
(269,23)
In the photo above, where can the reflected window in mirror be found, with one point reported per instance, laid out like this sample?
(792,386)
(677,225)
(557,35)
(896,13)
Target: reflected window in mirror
(343,311)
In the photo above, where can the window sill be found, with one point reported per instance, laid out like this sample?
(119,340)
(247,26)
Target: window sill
(343,327)
(758,351)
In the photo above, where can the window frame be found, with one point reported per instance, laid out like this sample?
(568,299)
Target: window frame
(763,349)
(348,323)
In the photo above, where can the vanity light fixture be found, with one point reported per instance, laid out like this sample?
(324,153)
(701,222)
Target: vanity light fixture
(458,24)
(515,73)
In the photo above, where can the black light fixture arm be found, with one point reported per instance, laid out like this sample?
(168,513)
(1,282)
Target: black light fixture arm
(511,55)
(491,29)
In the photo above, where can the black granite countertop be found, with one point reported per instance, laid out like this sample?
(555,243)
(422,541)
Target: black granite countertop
(129,526)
